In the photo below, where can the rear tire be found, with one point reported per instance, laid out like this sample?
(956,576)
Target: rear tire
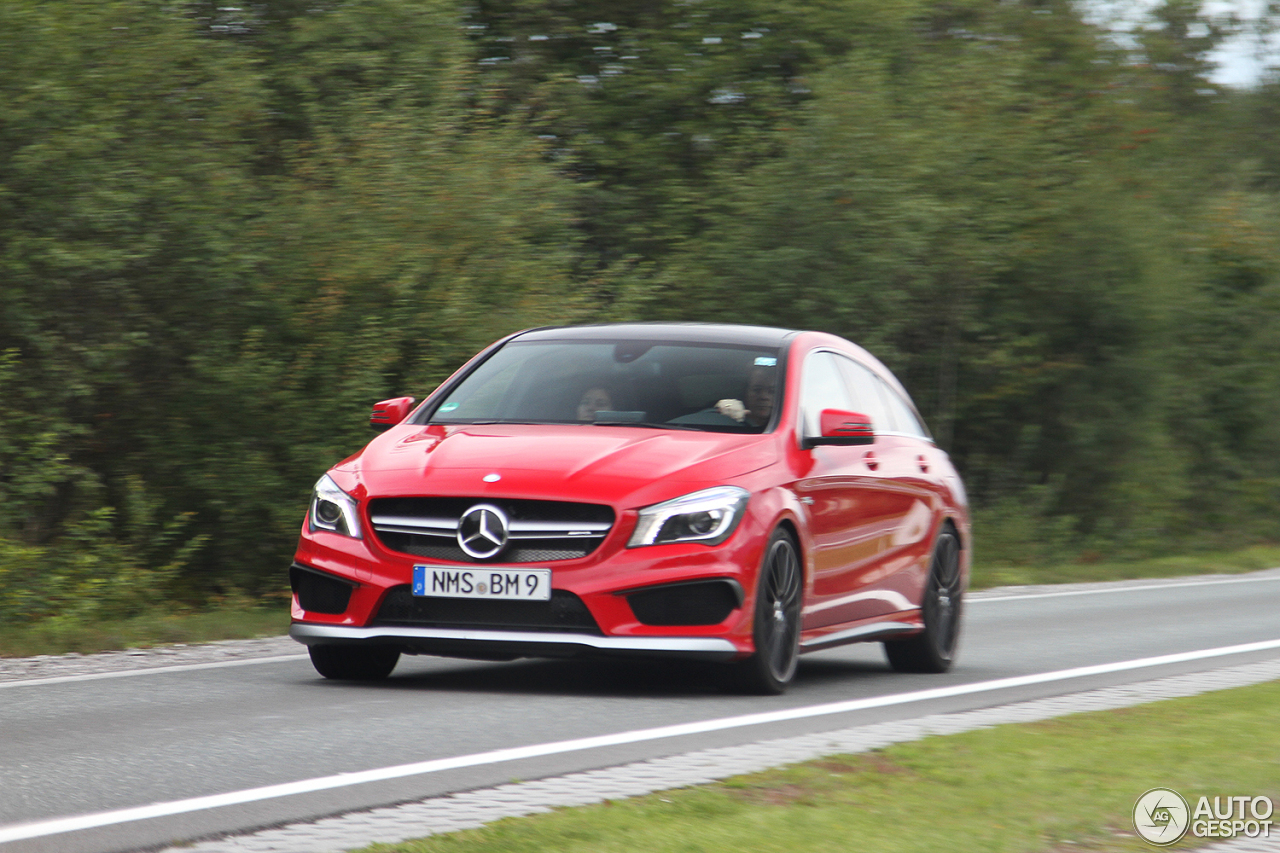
(776,631)
(354,663)
(934,648)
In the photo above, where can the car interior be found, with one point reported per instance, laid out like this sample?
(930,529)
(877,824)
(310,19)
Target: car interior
(648,384)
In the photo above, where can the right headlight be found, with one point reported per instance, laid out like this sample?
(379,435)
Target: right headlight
(333,509)
(708,516)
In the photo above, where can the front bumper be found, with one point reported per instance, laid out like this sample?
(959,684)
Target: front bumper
(607,587)
(496,644)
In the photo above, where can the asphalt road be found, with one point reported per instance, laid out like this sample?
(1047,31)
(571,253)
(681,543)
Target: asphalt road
(88,746)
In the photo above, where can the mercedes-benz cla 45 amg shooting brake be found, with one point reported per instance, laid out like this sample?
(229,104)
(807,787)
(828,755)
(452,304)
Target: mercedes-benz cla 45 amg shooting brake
(728,493)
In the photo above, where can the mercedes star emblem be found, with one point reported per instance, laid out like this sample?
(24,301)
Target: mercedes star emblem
(482,531)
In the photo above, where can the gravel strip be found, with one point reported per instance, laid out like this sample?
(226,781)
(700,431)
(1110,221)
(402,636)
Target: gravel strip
(1138,583)
(55,666)
(471,809)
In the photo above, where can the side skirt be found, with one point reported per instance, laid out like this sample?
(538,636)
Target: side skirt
(860,634)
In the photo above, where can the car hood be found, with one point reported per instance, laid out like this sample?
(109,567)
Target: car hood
(560,462)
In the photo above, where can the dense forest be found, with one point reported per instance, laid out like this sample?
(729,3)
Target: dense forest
(225,231)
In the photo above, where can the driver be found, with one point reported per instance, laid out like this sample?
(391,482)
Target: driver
(758,407)
(595,399)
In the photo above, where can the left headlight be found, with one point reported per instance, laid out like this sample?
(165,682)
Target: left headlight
(708,517)
(333,509)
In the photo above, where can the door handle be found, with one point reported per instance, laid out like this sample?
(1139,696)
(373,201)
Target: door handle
(923,463)
(870,458)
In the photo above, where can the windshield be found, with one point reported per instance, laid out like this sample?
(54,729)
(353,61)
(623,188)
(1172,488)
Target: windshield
(721,388)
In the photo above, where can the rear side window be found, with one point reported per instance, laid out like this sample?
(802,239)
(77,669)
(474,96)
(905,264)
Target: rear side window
(902,412)
(888,411)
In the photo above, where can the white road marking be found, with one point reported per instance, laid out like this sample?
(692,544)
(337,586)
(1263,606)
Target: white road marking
(1142,588)
(126,673)
(17,832)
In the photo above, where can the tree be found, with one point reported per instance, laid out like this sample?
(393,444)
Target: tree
(953,206)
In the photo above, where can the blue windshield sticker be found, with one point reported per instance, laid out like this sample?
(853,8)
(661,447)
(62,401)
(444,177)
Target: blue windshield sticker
(766,361)
(448,407)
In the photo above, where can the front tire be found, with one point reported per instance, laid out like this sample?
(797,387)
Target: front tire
(354,663)
(934,648)
(776,632)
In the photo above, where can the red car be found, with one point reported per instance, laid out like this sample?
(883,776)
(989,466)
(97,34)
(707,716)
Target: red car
(731,493)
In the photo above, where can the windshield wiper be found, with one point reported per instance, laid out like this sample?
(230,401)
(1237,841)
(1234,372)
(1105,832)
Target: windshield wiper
(647,425)
(489,422)
(620,422)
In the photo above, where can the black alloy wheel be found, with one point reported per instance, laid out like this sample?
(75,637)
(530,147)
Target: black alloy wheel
(354,663)
(777,619)
(934,648)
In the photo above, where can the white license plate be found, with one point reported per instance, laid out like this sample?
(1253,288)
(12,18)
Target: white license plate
(444,582)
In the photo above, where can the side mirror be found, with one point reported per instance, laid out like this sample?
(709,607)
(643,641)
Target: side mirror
(837,426)
(388,413)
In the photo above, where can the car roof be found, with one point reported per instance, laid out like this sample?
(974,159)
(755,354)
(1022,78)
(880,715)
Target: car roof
(704,333)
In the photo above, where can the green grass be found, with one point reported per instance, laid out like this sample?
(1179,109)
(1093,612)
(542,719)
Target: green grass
(229,621)
(1059,785)
(1250,559)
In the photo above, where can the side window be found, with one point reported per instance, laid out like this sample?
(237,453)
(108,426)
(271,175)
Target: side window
(865,394)
(822,387)
(902,412)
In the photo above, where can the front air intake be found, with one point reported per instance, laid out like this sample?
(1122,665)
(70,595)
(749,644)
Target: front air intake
(695,603)
(320,592)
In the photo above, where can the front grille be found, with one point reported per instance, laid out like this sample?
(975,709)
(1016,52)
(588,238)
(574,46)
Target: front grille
(564,612)
(319,592)
(541,531)
(409,544)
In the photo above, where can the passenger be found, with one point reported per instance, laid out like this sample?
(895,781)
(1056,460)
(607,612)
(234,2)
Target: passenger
(594,399)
